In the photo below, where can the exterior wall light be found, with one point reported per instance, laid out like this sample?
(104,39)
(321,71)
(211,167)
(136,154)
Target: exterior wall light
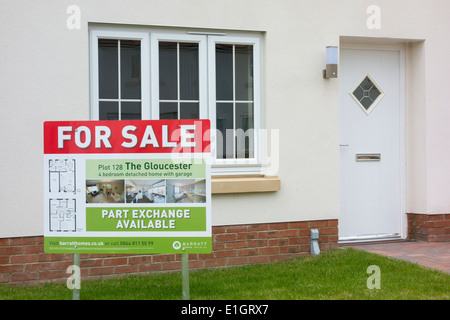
(331,70)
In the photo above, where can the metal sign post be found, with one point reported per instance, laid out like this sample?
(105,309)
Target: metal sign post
(185,275)
(77,276)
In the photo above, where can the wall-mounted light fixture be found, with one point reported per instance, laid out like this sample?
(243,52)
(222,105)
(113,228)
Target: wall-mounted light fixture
(331,70)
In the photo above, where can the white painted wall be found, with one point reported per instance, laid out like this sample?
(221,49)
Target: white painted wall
(44,75)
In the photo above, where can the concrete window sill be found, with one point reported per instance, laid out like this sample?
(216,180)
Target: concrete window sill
(244,184)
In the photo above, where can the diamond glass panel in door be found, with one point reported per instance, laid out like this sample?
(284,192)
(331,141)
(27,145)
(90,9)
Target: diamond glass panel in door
(119,84)
(367,93)
(178,80)
(234,101)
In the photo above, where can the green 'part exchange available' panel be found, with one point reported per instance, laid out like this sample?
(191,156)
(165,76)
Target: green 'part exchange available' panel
(145,168)
(146,219)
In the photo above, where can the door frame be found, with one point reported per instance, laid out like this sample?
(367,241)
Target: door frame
(402,131)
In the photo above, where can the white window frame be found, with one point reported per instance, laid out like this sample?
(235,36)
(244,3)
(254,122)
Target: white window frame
(150,38)
(95,35)
(154,63)
(237,166)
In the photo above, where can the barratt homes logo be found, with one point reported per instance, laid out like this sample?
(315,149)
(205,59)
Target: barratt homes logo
(194,244)
(176,245)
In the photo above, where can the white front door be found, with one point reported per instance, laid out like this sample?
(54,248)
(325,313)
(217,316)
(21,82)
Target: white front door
(371,143)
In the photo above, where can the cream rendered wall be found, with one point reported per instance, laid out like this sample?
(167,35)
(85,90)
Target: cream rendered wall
(44,75)
(416,137)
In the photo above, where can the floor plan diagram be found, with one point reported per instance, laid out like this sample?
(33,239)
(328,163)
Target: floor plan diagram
(62,215)
(62,175)
(62,183)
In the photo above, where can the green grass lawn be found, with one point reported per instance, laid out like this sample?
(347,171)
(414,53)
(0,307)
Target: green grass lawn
(338,274)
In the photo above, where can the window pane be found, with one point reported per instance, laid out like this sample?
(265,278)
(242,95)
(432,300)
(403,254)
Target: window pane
(189,81)
(189,111)
(168,71)
(130,69)
(107,68)
(244,72)
(244,130)
(244,116)
(224,72)
(168,110)
(130,111)
(225,132)
(108,110)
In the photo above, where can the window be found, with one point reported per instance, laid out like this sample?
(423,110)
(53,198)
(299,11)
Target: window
(236,94)
(164,74)
(178,80)
(178,68)
(119,75)
(119,83)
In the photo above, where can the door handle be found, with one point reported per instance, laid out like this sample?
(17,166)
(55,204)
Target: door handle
(343,145)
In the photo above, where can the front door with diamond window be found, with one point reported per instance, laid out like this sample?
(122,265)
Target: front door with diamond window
(371,143)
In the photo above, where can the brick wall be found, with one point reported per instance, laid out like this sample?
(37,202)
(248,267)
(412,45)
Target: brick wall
(429,227)
(23,261)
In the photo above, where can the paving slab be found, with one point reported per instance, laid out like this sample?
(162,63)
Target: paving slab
(433,255)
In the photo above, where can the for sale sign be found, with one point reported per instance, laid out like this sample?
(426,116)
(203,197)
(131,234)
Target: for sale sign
(141,186)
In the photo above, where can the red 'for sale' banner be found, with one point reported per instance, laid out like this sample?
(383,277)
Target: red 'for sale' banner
(132,136)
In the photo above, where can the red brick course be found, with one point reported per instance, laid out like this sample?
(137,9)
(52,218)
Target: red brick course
(429,227)
(23,261)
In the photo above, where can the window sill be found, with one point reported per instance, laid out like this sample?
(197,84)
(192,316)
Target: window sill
(244,184)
